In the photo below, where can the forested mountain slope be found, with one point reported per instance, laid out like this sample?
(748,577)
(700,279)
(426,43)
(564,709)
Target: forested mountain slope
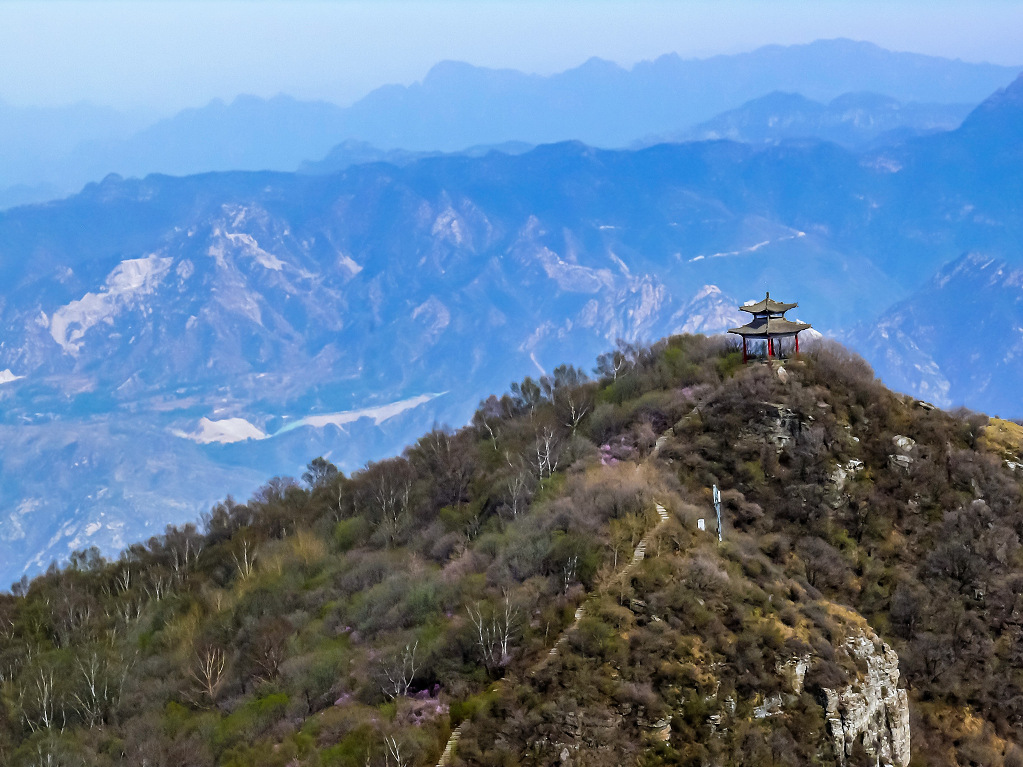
(227,326)
(864,601)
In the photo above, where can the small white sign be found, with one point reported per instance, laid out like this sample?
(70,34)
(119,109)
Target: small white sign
(700,525)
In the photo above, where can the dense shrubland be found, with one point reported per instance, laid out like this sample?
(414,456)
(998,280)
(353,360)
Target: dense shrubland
(346,620)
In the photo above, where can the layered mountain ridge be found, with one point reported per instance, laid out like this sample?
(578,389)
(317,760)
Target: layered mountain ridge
(212,312)
(52,153)
(854,120)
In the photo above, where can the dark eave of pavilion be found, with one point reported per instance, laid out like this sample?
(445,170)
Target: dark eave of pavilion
(762,327)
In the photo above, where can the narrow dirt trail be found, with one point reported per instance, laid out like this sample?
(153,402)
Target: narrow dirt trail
(580,612)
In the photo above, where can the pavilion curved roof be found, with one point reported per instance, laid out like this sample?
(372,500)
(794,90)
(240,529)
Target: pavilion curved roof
(762,327)
(767,306)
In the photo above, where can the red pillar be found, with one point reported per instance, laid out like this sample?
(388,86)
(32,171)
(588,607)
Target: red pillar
(770,347)
(797,344)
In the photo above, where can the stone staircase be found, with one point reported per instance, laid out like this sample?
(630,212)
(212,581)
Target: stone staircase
(449,748)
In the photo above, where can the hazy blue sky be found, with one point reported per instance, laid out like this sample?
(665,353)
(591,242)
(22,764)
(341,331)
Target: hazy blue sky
(168,54)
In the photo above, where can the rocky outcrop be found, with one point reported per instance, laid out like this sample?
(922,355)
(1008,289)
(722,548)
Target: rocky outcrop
(902,459)
(781,425)
(872,710)
(793,671)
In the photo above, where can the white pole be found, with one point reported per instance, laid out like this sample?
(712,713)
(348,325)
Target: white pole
(717,509)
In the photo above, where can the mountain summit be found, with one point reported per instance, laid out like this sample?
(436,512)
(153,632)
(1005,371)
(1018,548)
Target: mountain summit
(547,586)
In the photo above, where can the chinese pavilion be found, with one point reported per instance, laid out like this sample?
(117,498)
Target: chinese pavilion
(768,326)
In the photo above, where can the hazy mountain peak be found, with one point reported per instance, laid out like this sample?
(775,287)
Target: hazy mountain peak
(854,120)
(864,99)
(1008,98)
(785,99)
(597,65)
(999,118)
(452,73)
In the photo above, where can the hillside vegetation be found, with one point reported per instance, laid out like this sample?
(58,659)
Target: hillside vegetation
(487,579)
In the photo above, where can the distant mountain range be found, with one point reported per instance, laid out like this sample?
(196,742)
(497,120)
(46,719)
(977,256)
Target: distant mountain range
(49,153)
(855,120)
(958,339)
(167,340)
(354,152)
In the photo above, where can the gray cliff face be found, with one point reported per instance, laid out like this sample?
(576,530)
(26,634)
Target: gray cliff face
(872,710)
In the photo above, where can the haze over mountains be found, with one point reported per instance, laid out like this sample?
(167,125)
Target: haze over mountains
(230,326)
(854,120)
(48,153)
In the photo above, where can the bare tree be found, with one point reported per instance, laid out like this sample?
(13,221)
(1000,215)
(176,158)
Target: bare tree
(102,686)
(123,578)
(494,630)
(625,534)
(71,611)
(270,645)
(396,753)
(618,362)
(207,671)
(6,621)
(389,494)
(319,473)
(567,389)
(547,450)
(130,609)
(41,707)
(246,563)
(520,488)
(10,666)
(575,406)
(487,418)
(449,460)
(158,585)
(401,672)
(184,545)
(570,571)
(48,754)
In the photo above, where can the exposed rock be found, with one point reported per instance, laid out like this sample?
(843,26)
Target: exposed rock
(905,444)
(772,706)
(782,425)
(714,722)
(794,671)
(584,733)
(638,606)
(662,729)
(783,375)
(872,710)
(900,461)
(843,471)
